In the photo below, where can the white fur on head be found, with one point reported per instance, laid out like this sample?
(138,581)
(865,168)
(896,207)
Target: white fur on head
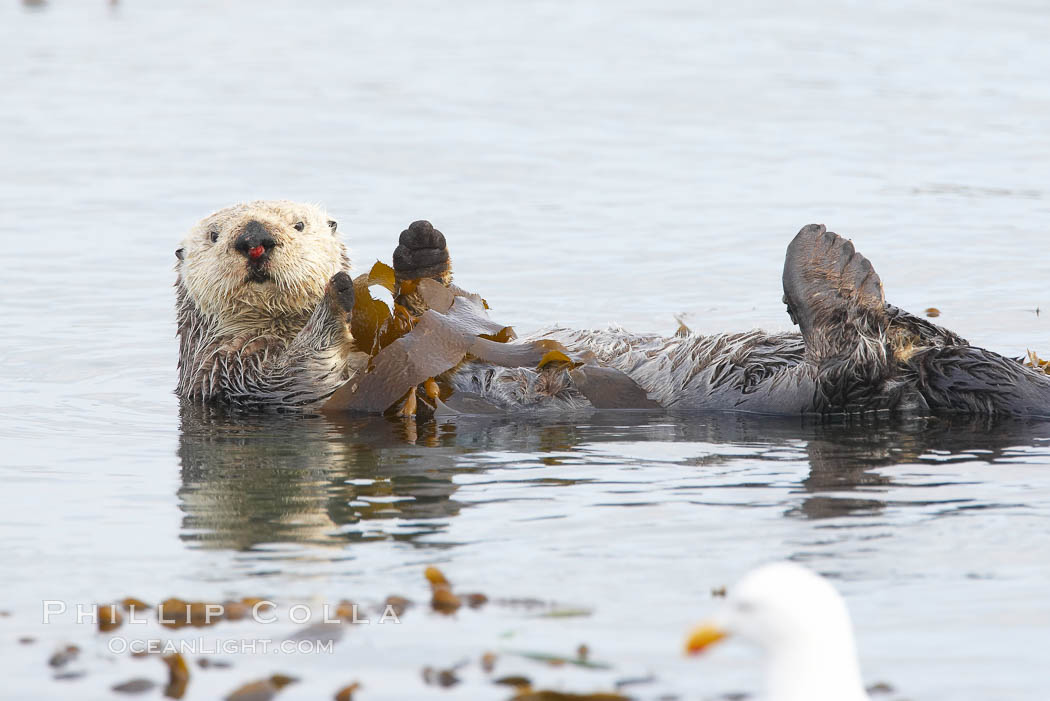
(214,276)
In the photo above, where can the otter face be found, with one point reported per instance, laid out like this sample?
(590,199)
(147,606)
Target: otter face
(272,257)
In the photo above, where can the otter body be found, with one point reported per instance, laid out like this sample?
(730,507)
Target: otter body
(264,294)
(766,373)
(855,354)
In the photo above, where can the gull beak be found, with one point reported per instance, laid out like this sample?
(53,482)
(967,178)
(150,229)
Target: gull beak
(702,637)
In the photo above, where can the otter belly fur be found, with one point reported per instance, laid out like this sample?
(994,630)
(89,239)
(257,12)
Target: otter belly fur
(767,373)
(263,297)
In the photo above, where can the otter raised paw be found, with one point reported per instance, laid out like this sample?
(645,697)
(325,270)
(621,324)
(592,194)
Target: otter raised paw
(421,252)
(341,288)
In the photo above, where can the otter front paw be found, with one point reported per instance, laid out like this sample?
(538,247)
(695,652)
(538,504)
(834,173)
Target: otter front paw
(342,288)
(421,253)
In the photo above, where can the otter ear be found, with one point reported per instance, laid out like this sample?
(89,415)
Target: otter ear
(333,224)
(180,253)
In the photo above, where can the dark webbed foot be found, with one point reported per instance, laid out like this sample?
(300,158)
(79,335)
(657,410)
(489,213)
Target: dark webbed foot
(836,298)
(342,290)
(421,253)
(829,286)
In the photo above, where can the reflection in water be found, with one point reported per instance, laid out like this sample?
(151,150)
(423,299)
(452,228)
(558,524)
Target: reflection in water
(844,456)
(247,482)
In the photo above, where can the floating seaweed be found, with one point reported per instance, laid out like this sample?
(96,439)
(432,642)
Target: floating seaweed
(1034,361)
(441,677)
(347,692)
(261,690)
(546,695)
(138,685)
(555,660)
(109,618)
(178,675)
(63,656)
(410,355)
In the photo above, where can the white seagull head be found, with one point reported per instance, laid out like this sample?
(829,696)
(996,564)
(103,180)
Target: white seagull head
(802,625)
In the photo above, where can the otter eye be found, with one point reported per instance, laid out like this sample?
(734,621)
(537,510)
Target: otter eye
(333,224)
(299,226)
(214,236)
(180,253)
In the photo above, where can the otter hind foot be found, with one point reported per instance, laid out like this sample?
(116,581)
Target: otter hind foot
(421,252)
(827,283)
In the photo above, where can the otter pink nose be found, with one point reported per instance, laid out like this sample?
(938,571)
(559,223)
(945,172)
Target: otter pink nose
(256,253)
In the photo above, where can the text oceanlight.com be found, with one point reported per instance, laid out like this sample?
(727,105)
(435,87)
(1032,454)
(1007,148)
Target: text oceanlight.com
(202,646)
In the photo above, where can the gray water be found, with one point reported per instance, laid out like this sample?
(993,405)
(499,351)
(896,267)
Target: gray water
(589,162)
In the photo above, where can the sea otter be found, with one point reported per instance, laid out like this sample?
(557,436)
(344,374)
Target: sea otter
(264,294)
(262,297)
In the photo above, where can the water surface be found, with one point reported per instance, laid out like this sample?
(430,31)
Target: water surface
(590,162)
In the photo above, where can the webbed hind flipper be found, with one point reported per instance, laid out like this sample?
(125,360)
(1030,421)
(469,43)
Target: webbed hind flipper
(836,297)
(832,292)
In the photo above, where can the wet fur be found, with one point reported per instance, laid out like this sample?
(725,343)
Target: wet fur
(856,354)
(283,344)
(912,366)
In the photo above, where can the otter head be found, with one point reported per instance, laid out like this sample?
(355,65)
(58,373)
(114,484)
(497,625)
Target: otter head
(268,259)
